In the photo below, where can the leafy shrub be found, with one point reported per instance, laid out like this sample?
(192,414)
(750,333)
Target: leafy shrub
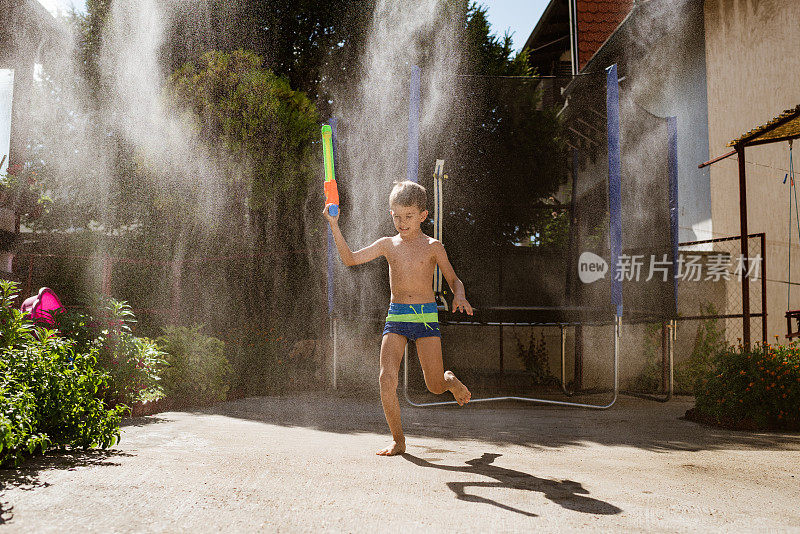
(133,363)
(756,389)
(261,361)
(196,367)
(49,390)
(709,342)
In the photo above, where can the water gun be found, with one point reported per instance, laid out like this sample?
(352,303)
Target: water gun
(331,192)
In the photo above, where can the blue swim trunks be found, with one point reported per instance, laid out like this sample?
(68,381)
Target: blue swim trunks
(413,320)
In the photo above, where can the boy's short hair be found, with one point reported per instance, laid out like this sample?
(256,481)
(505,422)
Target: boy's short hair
(408,193)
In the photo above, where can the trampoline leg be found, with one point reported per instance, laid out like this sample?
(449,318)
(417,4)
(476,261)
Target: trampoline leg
(671,327)
(673,332)
(564,389)
(405,367)
(617,336)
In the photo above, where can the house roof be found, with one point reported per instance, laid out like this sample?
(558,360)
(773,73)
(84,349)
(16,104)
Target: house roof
(784,127)
(550,37)
(543,32)
(597,20)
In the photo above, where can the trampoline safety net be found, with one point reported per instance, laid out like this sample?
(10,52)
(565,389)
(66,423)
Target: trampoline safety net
(525,206)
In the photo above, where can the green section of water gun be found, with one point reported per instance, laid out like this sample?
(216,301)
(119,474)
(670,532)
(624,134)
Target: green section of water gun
(327,152)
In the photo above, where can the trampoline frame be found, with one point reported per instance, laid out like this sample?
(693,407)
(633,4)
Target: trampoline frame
(617,336)
(615,234)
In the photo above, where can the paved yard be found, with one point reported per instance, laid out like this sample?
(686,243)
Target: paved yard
(307,463)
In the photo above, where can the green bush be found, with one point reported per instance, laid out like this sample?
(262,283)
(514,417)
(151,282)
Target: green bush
(133,363)
(262,363)
(709,342)
(196,365)
(756,389)
(49,390)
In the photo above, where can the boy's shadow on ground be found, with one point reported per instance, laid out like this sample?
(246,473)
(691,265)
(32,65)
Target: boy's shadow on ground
(568,494)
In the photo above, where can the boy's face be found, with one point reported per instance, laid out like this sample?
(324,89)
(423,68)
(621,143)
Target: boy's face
(407,218)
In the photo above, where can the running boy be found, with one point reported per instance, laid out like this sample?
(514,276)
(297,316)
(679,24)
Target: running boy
(412,316)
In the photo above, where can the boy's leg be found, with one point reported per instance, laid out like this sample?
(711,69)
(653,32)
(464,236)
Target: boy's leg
(392,349)
(429,350)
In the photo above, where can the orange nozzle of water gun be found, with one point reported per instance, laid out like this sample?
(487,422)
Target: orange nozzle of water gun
(331,193)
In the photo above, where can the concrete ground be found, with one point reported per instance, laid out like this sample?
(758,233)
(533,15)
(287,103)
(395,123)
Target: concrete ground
(307,463)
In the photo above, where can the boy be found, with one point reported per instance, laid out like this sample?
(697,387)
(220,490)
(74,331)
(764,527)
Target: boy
(412,316)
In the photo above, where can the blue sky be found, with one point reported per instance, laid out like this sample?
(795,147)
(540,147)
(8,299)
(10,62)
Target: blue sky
(517,16)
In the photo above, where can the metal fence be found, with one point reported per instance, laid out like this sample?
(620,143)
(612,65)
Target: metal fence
(715,281)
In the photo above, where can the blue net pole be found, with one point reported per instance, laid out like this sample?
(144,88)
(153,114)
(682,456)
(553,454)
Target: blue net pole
(672,130)
(412,166)
(614,184)
(331,244)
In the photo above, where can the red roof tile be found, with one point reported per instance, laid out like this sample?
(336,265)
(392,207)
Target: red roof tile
(597,20)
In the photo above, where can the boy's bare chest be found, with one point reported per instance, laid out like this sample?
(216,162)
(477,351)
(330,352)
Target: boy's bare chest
(409,258)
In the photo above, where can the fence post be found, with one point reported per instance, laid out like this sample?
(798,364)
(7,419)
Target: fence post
(29,282)
(105,287)
(764,288)
(176,292)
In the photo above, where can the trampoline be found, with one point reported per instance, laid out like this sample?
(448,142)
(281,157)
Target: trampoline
(614,195)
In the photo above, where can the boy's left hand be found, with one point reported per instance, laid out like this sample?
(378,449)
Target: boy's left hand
(461,304)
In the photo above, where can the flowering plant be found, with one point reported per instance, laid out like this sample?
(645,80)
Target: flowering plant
(48,389)
(133,363)
(756,389)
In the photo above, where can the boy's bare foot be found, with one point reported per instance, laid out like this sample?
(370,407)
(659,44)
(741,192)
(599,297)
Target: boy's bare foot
(459,390)
(393,449)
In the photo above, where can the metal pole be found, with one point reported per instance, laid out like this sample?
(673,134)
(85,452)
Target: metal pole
(29,282)
(564,389)
(502,355)
(673,336)
(405,368)
(763,289)
(563,360)
(665,333)
(335,351)
(667,370)
(412,165)
(573,36)
(745,249)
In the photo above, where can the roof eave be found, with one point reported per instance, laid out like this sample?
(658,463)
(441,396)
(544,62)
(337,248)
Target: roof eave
(540,25)
(751,138)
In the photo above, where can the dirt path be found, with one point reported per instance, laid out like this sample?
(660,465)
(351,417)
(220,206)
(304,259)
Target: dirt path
(307,464)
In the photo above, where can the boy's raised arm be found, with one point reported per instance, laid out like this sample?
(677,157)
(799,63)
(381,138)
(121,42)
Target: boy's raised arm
(349,257)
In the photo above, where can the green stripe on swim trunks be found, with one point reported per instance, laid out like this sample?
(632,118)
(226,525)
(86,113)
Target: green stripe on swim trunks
(431,317)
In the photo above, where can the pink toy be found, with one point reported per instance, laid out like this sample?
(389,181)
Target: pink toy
(41,307)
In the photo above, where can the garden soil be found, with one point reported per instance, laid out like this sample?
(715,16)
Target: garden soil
(307,463)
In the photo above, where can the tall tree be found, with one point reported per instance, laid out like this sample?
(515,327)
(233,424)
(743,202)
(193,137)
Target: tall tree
(302,40)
